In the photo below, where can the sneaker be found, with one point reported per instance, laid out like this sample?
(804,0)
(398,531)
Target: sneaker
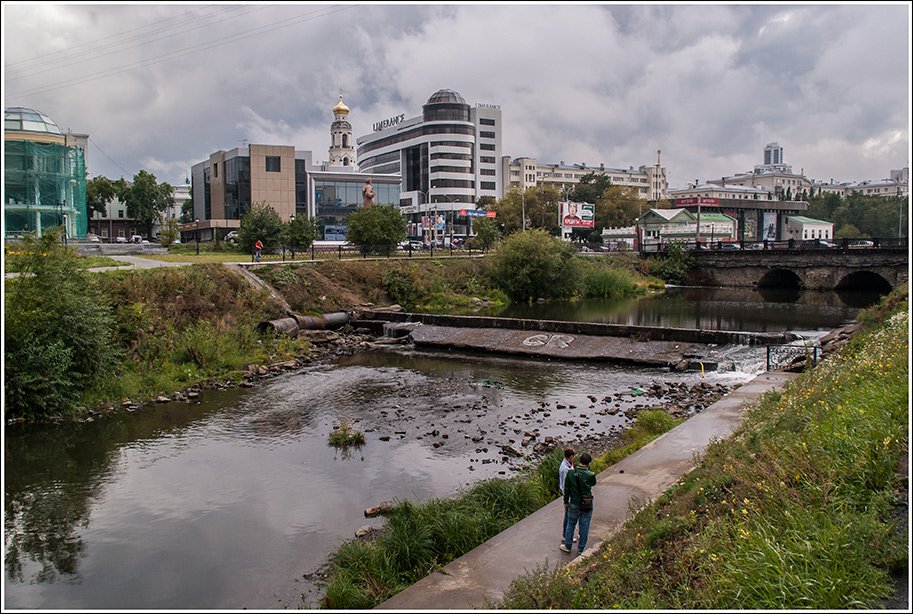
(575,539)
(564,548)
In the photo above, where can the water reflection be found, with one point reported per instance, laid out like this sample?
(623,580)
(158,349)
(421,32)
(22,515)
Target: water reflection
(736,309)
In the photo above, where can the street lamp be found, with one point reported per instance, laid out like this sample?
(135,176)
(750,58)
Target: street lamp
(197,233)
(291,235)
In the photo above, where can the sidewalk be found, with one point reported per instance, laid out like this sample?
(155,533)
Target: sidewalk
(484,574)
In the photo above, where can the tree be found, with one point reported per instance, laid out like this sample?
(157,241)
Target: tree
(378,228)
(59,330)
(508,210)
(300,232)
(187,210)
(486,202)
(533,264)
(848,231)
(146,199)
(99,192)
(168,233)
(261,223)
(617,206)
(487,233)
(590,188)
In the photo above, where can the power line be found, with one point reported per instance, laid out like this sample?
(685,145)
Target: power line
(179,53)
(86,58)
(70,50)
(126,172)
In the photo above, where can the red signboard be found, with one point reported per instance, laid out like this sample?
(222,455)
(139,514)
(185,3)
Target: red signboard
(697,200)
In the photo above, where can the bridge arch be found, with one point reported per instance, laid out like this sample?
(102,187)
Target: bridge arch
(868,281)
(781,278)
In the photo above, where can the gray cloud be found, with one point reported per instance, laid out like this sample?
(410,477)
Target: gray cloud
(709,85)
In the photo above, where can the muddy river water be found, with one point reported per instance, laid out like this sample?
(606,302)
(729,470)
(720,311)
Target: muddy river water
(233,500)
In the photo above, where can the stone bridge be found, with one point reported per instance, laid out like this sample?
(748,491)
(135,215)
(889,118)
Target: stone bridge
(880,269)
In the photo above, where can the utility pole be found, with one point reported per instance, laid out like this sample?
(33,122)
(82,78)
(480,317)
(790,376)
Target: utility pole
(523,209)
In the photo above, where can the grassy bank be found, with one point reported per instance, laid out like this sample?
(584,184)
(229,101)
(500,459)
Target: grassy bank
(15,256)
(82,340)
(419,538)
(795,510)
(441,285)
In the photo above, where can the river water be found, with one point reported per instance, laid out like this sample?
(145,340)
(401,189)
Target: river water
(232,501)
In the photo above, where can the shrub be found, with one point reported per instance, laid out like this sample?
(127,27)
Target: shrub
(401,285)
(601,281)
(377,228)
(672,268)
(533,264)
(58,331)
(261,223)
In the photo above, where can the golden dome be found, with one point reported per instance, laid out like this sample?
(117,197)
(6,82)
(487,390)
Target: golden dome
(341,108)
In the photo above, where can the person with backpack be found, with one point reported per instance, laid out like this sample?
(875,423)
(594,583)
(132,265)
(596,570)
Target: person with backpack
(566,465)
(578,495)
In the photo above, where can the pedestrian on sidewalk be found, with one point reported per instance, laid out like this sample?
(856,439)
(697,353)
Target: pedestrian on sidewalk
(578,494)
(566,465)
(258,247)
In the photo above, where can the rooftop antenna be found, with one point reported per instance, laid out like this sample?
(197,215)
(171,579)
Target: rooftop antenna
(243,142)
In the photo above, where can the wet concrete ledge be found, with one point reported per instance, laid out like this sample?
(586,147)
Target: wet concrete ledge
(640,333)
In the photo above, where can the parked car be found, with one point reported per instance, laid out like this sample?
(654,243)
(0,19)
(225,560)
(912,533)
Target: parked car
(817,244)
(730,247)
(93,238)
(232,237)
(121,240)
(136,239)
(755,246)
(860,243)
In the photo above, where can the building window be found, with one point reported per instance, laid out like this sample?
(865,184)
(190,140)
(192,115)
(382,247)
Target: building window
(487,146)
(215,169)
(273,164)
(486,171)
(486,122)
(487,159)
(488,185)
(120,213)
(487,134)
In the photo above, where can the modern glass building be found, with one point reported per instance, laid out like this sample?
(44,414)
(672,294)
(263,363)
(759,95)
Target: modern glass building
(44,175)
(449,156)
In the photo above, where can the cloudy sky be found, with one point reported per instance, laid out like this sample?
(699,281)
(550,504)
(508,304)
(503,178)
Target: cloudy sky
(161,86)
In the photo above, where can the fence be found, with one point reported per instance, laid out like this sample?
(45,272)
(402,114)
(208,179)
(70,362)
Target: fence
(779,356)
(353,252)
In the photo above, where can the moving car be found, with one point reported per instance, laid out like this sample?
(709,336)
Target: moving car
(730,247)
(861,243)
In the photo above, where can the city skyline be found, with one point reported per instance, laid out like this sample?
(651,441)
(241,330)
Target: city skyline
(159,87)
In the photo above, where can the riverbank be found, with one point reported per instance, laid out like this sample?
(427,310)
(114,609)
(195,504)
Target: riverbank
(803,507)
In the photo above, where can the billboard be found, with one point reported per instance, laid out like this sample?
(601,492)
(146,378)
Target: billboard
(578,215)
(769,226)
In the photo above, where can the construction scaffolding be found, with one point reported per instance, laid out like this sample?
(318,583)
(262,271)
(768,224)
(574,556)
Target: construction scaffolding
(44,186)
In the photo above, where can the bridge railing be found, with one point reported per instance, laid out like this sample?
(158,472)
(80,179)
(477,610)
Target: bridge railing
(353,252)
(657,247)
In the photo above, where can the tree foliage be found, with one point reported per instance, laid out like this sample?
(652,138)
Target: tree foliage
(532,264)
(873,216)
(147,199)
(377,228)
(99,192)
(300,232)
(169,233)
(590,188)
(58,331)
(263,224)
(486,233)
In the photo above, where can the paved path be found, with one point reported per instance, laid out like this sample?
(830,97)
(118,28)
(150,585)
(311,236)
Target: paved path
(483,575)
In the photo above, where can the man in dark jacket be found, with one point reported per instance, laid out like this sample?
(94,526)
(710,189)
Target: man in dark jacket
(578,496)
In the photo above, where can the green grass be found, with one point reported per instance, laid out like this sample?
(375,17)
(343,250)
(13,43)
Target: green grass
(346,435)
(13,258)
(419,538)
(793,511)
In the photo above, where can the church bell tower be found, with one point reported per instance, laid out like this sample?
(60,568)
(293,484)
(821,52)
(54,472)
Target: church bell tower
(342,145)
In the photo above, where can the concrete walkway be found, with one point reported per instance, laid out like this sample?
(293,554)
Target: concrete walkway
(484,574)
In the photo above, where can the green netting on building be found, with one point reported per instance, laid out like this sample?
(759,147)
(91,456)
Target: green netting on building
(44,186)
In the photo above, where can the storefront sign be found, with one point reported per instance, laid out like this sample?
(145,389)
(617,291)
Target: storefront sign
(477,213)
(695,200)
(387,123)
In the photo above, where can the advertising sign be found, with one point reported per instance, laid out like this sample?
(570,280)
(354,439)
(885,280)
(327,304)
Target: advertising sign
(578,215)
(697,200)
(477,213)
(769,228)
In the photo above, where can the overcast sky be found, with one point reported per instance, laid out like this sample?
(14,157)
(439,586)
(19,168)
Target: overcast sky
(161,86)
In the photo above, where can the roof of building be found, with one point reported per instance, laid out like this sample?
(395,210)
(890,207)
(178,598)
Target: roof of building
(340,108)
(807,220)
(668,214)
(716,217)
(446,96)
(28,120)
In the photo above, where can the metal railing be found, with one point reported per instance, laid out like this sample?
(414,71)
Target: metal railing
(353,252)
(789,244)
(779,356)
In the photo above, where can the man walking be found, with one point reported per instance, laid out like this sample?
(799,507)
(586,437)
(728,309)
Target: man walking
(566,465)
(578,495)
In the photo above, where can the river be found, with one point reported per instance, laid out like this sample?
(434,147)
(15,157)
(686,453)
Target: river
(232,501)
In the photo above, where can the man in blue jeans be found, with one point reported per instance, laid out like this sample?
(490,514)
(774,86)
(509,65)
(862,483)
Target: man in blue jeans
(578,495)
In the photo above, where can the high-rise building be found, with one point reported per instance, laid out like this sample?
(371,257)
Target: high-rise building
(449,156)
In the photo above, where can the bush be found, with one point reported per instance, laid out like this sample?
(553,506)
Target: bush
(601,281)
(261,223)
(376,228)
(58,331)
(672,268)
(532,264)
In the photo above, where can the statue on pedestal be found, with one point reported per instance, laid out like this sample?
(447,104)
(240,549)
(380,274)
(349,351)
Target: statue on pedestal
(367,193)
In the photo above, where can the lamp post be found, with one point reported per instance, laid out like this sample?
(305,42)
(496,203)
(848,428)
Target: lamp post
(291,235)
(197,233)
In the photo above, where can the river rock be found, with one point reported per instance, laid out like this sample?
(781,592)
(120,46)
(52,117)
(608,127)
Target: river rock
(365,531)
(162,399)
(510,451)
(382,508)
